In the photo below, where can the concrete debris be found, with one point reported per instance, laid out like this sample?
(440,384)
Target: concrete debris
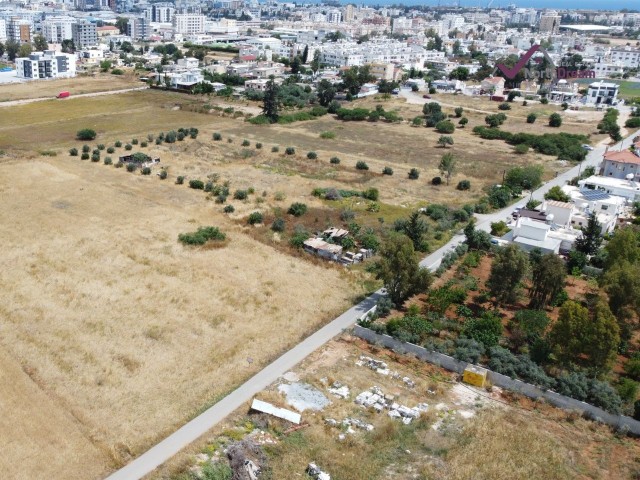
(245,459)
(408,382)
(357,423)
(376,399)
(331,422)
(339,390)
(265,407)
(382,368)
(303,396)
(202,458)
(316,473)
(262,438)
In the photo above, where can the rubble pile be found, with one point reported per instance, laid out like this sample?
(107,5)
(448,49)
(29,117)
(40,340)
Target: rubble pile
(339,390)
(347,424)
(316,473)
(245,459)
(382,368)
(376,399)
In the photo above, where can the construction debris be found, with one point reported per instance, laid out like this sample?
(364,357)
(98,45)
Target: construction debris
(348,422)
(245,459)
(382,368)
(376,399)
(264,407)
(339,390)
(303,396)
(316,473)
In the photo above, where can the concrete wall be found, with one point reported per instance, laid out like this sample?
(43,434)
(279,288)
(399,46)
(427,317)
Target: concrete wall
(502,381)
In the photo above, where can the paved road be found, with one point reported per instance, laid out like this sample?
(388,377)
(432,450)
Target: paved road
(12,103)
(197,427)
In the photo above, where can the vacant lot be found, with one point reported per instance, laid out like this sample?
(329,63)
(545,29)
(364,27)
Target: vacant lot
(76,86)
(464,433)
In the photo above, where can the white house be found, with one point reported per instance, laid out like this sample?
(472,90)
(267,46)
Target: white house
(627,189)
(529,234)
(602,93)
(47,64)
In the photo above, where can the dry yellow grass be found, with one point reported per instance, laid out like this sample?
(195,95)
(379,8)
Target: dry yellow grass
(130,330)
(39,439)
(76,86)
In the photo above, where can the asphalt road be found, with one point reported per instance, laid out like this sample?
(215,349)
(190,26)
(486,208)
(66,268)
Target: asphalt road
(197,427)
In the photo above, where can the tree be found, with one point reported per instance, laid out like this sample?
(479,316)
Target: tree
(556,193)
(476,239)
(315,63)
(121,23)
(507,271)
(445,126)
(295,65)
(584,338)
(622,284)
(270,102)
(400,270)
(40,43)
(547,280)
(86,134)
(447,166)
(624,246)
(1,49)
(459,73)
(68,46)
(459,111)
(25,50)
(528,177)
(590,240)
(445,140)
(555,120)
(531,118)
(12,47)
(326,92)
(305,54)
(414,228)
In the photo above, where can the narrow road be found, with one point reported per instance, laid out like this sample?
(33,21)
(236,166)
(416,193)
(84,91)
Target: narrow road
(12,103)
(197,427)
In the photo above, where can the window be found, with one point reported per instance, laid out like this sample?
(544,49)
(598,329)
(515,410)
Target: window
(604,207)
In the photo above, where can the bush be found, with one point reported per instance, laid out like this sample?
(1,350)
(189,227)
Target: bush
(468,350)
(290,151)
(521,149)
(458,111)
(278,225)
(180,136)
(258,146)
(108,161)
(246,143)
(240,195)
(144,144)
(387,171)
(196,184)
(228,209)
(577,385)
(118,143)
(86,134)
(410,328)
(158,141)
(504,106)
(414,174)
(179,180)
(436,181)
(202,236)
(463,185)
(521,366)
(96,152)
(86,149)
(95,157)
(445,126)
(371,194)
(361,165)
(131,167)
(101,146)
(632,367)
(275,149)
(217,137)
(163,174)
(84,156)
(255,218)
(463,121)
(555,120)
(334,160)
(487,329)
(312,155)
(633,122)
(544,101)
(134,141)
(328,135)
(128,147)
(146,171)
(297,209)
(73,152)
(111,150)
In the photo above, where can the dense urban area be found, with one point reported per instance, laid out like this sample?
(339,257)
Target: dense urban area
(262,240)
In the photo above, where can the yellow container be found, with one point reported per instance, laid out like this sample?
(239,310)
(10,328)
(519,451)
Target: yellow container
(476,376)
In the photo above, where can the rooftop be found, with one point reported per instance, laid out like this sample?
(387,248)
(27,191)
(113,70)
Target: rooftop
(623,156)
(557,204)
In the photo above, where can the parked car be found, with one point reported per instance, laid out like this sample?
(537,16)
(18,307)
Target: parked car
(587,147)
(426,96)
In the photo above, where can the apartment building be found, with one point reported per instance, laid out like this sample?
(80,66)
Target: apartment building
(549,23)
(3,30)
(19,30)
(138,28)
(47,64)
(188,23)
(626,57)
(57,29)
(347,54)
(84,34)
(160,13)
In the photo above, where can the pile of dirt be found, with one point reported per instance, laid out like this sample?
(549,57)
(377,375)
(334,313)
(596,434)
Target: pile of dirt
(246,459)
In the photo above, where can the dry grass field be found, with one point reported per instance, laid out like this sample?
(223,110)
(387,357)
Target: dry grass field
(101,82)
(500,435)
(126,332)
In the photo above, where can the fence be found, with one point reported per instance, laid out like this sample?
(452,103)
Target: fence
(620,422)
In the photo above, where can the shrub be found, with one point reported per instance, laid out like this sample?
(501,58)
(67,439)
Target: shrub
(633,122)
(96,151)
(290,151)
(229,140)
(258,146)
(410,328)
(163,174)
(196,184)
(521,149)
(297,209)
(334,160)
(275,149)
(486,329)
(468,350)
(134,141)
(555,120)
(180,136)
(119,164)
(328,135)
(202,236)
(436,181)
(108,161)
(131,167)
(158,141)
(387,171)
(504,106)
(312,155)
(73,152)
(544,101)
(128,147)
(521,366)
(246,143)
(144,144)
(118,143)
(228,209)
(255,218)
(361,165)
(146,171)
(414,174)
(463,185)
(278,225)
(217,137)
(95,157)
(86,149)
(179,180)
(632,367)
(101,146)
(458,111)
(240,195)
(371,194)
(111,150)
(84,156)
(463,121)
(445,126)
(86,134)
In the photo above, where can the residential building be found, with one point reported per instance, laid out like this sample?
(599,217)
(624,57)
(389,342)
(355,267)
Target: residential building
(57,29)
(188,23)
(107,31)
(160,12)
(84,34)
(602,93)
(604,69)
(138,28)
(621,164)
(628,189)
(607,208)
(334,16)
(529,234)
(549,23)
(493,85)
(627,57)
(382,71)
(47,64)
(323,249)
(3,30)
(19,30)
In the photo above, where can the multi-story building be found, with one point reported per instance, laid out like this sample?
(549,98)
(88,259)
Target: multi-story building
(601,93)
(3,30)
(57,29)
(347,54)
(138,28)
(549,23)
(47,64)
(188,23)
(349,13)
(84,34)
(626,57)
(334,16)
(19,30)
(160,12)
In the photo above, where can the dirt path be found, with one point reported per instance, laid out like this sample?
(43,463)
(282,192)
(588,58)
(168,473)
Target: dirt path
(12,103)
